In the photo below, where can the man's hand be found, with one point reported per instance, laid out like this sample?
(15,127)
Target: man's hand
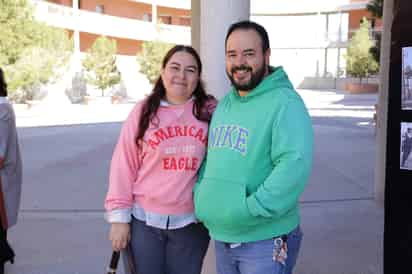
(119,235)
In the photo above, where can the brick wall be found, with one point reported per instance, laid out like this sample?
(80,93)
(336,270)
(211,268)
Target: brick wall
(61,2)
(121,8)
(356,16)
(124,46)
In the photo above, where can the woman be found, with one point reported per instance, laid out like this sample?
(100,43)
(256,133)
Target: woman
(10,173)
(154,167)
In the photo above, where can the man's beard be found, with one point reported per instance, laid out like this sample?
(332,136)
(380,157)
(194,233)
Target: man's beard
(255,78)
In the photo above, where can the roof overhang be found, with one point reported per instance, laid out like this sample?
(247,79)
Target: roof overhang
(282,8)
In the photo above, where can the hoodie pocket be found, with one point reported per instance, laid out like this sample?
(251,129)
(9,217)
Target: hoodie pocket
(222,204)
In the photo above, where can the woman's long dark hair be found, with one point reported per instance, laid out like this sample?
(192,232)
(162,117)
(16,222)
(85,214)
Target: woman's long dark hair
(152,103)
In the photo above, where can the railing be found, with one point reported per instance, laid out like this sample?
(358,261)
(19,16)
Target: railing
(304,7)
(320,39)
(178,4)
(101,24)
(345,36)
(372,32)
(317,39)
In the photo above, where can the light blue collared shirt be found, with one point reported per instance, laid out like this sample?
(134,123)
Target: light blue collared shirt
(150,218)
(4,100)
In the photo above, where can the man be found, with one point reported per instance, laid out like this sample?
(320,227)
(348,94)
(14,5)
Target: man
(406,146)
(10,173)
(258,161)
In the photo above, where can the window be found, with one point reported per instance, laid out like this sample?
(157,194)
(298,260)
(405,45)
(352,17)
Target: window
(166,19)
(147,17)
(99,8)
(184,21)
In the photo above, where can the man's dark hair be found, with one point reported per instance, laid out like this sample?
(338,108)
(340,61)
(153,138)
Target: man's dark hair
(3,84)
(249,25)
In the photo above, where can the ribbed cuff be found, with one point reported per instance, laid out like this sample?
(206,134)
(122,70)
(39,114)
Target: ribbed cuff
(123,215)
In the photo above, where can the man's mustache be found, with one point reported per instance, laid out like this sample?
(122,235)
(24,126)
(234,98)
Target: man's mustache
(242,67)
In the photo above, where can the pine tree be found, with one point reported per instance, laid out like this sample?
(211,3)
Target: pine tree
(360,62)
(375,7)
(100,64)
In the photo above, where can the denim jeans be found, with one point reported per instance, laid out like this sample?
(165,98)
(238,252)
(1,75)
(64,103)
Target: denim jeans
(174,251)
(257,257)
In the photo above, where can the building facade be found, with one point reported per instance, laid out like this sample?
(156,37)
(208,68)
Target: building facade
(126,21)
(309,38)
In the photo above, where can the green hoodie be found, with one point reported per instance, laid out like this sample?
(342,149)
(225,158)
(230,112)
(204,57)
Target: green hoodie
(258,161)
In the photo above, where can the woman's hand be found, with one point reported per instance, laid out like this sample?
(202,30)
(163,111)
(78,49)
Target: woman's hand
(119,235)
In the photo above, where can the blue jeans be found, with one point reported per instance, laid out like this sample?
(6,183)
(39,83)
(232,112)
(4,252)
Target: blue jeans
(174,251)
(257,257)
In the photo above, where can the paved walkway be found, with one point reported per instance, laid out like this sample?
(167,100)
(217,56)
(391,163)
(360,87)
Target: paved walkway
(320,103)
(73,114)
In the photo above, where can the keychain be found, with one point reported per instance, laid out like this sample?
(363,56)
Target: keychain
(280,250)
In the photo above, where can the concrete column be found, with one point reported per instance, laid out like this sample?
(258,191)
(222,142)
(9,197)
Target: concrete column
(76,36)
(215,18)
(154,13)
(340,28)
(195,24)
(325,64)
(382,113)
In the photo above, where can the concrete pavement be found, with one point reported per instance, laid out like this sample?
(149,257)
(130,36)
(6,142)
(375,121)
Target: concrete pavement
(61,229)
(320,103)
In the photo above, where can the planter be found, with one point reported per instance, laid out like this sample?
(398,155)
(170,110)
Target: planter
(87,99)
(20,107)
(97,100)
(32,103)
(116,99)
(356,88)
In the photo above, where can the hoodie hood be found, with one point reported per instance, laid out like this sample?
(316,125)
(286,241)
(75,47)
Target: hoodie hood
(259,159)
(277,78)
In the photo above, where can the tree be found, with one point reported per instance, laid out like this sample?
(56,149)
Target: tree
(18,30)
(150,58)
(360,62)
(375,7)
(39,64)
(31,52)
(100,64)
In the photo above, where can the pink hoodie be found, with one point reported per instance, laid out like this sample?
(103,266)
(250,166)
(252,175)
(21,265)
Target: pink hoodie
(161,178)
